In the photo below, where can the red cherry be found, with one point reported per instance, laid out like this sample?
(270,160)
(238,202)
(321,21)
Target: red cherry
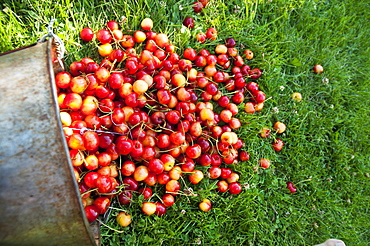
(291,187)
(188,22)
(197,7)
(230,42)
(235,188)
(125,197)
(87,34)
(91,212)
(278,144)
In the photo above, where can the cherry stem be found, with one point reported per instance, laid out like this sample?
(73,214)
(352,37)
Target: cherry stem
(101,222)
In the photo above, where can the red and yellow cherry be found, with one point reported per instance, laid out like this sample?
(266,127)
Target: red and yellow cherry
(148,208)
(73,101)
(279,127)
(265,132)
(264,163)
(139,36)
(244,155)
(175,173)
(156,166)
(162,40)
(141,173)
(249,108)
(91,162)
(278,144)
(211,33)
(318,68)
(173,186)
(234,177)
(194,151)
(104,36)
(201,37)
(102,203)
(248,54)
(196,176)
(105,49)
(214,172)
(146,24)
(205,205)
(222,186)
(124,219)
(168,200)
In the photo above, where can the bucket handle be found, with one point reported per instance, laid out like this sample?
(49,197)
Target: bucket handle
(60,49)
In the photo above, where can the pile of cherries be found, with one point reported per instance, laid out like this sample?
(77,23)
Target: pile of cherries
(146,120)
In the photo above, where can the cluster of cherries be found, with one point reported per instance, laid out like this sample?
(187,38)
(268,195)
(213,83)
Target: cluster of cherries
(145,119)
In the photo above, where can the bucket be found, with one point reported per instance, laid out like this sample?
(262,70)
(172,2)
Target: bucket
(40,201)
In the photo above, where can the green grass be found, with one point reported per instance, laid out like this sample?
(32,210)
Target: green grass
(327,151)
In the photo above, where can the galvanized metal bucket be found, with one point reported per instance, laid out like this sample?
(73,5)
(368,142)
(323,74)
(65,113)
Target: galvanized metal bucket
(39,197)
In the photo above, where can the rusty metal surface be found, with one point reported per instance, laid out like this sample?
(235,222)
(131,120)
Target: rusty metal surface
(39,198)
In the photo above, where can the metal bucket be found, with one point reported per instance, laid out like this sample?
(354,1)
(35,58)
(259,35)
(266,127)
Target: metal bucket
(39,197)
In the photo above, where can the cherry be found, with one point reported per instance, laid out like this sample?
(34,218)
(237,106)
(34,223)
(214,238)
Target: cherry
(141,173)
(173,186)
(156,166)
(318,68)
(230,42)
(205,205)
(278,144)
(214,172)
(91,212)
(235,188)
(196,176)
(222,186)
(102,204)
(104,184)
(149,208)
(163,178)
(255,73)
(259,96)
(87,34)
(291,187)
(244,155)
(205,159)
(123,219)
(211,33)
(225,172)
(168,200)
(146,192)
(104,36)
(177,138)
(124,145)
(264,163)
(197,7)
(160,209)
(194,151)
(146,24)
(201,37)
(188,22)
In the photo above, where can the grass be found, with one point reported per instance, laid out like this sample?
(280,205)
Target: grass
(327,151)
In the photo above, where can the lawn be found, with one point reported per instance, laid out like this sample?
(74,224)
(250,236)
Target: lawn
(326,153)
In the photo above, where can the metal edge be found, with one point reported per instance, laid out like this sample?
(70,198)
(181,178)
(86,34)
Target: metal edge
(21,48)
(64,143)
